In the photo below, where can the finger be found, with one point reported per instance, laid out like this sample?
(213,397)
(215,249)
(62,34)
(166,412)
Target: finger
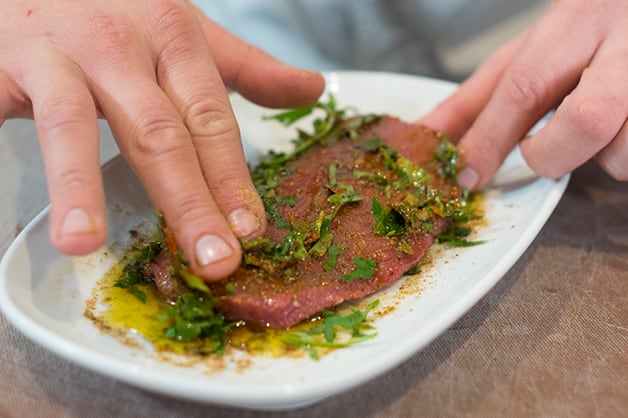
(614,158)
(255,74)
(158,146)
(65,116)
(458,112)
(189,77)
(587,120)
(155,141)
(13,101)
(545,69)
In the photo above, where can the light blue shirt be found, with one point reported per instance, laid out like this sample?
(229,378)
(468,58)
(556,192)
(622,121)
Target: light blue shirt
(413,36)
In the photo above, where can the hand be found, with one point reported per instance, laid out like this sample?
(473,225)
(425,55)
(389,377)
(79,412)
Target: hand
(157,70)
(574,59)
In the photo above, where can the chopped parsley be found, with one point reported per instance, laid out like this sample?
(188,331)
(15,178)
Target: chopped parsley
(447,156)
(133,272)
(194,317)
(291,116)
(332,257)
(388,222)
(364,269)
(326,332)
(456,236)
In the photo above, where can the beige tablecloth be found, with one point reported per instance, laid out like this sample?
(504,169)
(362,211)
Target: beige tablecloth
(549,340)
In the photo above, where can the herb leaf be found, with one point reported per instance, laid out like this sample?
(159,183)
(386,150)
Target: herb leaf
(194,316)
(325,334)
(457,237)
(447,156)
(364,270)
(388,222)
(289,117)
(133,273)
(332,257)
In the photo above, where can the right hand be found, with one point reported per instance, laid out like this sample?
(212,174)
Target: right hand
(573,59)
(157,70)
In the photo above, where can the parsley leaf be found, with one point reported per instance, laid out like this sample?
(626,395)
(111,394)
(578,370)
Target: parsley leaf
(388,222)
(364,269)
(325,334)
(457,237)
(332,257)
(447,157)
(371,145)
(345,194)
(289,117)
(133,273)
(194,316)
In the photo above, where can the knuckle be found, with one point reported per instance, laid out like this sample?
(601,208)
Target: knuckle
(228,180)
(236,78)
(172,18)
(175,28)
(112,36)
(156,137)
(189,208)
(208,120)
(63,112)
(596,118)
(525,88)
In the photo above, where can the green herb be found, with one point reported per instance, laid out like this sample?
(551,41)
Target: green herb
(345,193)
(230,288)
(274,215)
(322,245)
(447,156)
(332,257)
(413,270)
(388,222)
(326,333)
(291,116)
(371,145)
(194,317)
(287,200)
(457,237)
(331,170)
(364,270)
(133,272)
(273,256)
(193,281)
(130,280)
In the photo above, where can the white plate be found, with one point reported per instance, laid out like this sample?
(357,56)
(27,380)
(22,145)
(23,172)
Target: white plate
(44,293)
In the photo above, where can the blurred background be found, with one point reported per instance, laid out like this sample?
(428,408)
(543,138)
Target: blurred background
(438,38)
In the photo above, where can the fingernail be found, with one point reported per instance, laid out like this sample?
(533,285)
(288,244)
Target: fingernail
(468,178)
(76,222)
(211,248)
(243,222)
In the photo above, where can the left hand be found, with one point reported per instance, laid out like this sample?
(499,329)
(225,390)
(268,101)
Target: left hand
(574,59)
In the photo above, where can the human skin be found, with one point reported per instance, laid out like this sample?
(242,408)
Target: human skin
(574,60)
(159,72)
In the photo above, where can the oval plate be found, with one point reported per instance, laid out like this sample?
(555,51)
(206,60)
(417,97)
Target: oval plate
(44,293)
